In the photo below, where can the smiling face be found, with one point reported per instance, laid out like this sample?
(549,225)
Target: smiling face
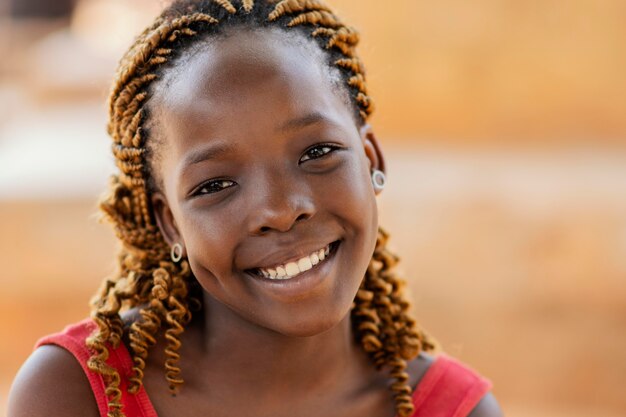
(264,174)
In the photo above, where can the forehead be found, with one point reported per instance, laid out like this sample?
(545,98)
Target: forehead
(265,74)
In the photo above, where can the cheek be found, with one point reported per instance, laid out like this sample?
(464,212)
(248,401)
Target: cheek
(365,208)
(352,201)
(209,240)
(355,196)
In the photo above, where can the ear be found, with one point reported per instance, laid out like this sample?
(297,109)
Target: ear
(165,221)
(372,149)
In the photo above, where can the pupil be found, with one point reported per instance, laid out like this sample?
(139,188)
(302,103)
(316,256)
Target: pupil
(215,186)
(317,152)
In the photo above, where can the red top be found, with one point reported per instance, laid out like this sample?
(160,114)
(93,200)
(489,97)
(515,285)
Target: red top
(447,389)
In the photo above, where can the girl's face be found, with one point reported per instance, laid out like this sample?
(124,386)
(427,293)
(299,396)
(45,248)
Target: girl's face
(262,167)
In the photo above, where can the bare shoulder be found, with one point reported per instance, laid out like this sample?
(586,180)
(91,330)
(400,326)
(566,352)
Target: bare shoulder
(51,382)
(487,407)
(417,368)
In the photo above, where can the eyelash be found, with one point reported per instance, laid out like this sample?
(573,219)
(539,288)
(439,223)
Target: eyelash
(329,148)
(210,183)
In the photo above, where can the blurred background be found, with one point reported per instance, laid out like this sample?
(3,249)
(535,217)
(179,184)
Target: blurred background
(504,126)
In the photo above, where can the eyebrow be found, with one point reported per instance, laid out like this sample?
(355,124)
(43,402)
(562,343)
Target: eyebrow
(212,151)
(305,121)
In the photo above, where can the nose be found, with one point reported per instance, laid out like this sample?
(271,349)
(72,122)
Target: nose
(278,203)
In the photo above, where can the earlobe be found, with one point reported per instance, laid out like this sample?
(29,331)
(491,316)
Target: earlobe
(165,221)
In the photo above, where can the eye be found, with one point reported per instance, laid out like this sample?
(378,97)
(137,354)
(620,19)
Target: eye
(317,151)
(212,187)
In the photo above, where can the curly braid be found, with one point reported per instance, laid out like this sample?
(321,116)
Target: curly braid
(382,324)
(164,292)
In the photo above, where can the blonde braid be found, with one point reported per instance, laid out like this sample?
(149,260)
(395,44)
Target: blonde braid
(248,5)
(143,331)
(226,4)
(177,317)
(383,326)
(297,6)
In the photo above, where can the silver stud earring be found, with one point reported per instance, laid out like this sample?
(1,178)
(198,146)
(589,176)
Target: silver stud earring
(177,252)
(378,180)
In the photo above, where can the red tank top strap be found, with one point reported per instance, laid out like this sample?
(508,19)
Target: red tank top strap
(72,338)
(448,389)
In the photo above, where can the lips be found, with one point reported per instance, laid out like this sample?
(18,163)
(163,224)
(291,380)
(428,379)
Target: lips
(294,267)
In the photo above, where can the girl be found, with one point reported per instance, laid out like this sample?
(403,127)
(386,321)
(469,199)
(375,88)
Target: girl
(253,275)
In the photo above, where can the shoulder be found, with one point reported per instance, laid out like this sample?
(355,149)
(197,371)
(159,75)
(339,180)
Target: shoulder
(418,367)
(487,407)
(463,386)
(51,381)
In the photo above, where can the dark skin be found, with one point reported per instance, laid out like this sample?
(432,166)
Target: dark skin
(280,170)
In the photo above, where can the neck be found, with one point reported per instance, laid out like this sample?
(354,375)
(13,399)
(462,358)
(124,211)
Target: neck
(236,351)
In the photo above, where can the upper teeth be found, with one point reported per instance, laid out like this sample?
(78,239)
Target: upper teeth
(291,269)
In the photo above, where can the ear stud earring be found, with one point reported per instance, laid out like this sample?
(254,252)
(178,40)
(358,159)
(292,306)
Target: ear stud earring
(177,252)
(378,180)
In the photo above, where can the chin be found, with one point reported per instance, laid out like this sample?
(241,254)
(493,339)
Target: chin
(317,324)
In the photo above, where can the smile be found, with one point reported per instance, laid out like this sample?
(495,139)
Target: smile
(294,268)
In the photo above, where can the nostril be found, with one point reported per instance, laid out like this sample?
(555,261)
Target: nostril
(303,216)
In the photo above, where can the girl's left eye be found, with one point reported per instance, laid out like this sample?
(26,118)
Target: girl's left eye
(214,186)
(317,151)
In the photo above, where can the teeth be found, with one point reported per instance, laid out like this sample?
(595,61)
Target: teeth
(280,272)
(305,264)
(292,269)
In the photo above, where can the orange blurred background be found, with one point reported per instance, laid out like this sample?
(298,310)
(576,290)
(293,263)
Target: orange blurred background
(504,126)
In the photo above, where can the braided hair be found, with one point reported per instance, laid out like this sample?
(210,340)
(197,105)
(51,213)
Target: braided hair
(165,293)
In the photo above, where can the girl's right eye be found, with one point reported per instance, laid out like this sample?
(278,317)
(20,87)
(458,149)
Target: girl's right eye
(212,187)
(318,151)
